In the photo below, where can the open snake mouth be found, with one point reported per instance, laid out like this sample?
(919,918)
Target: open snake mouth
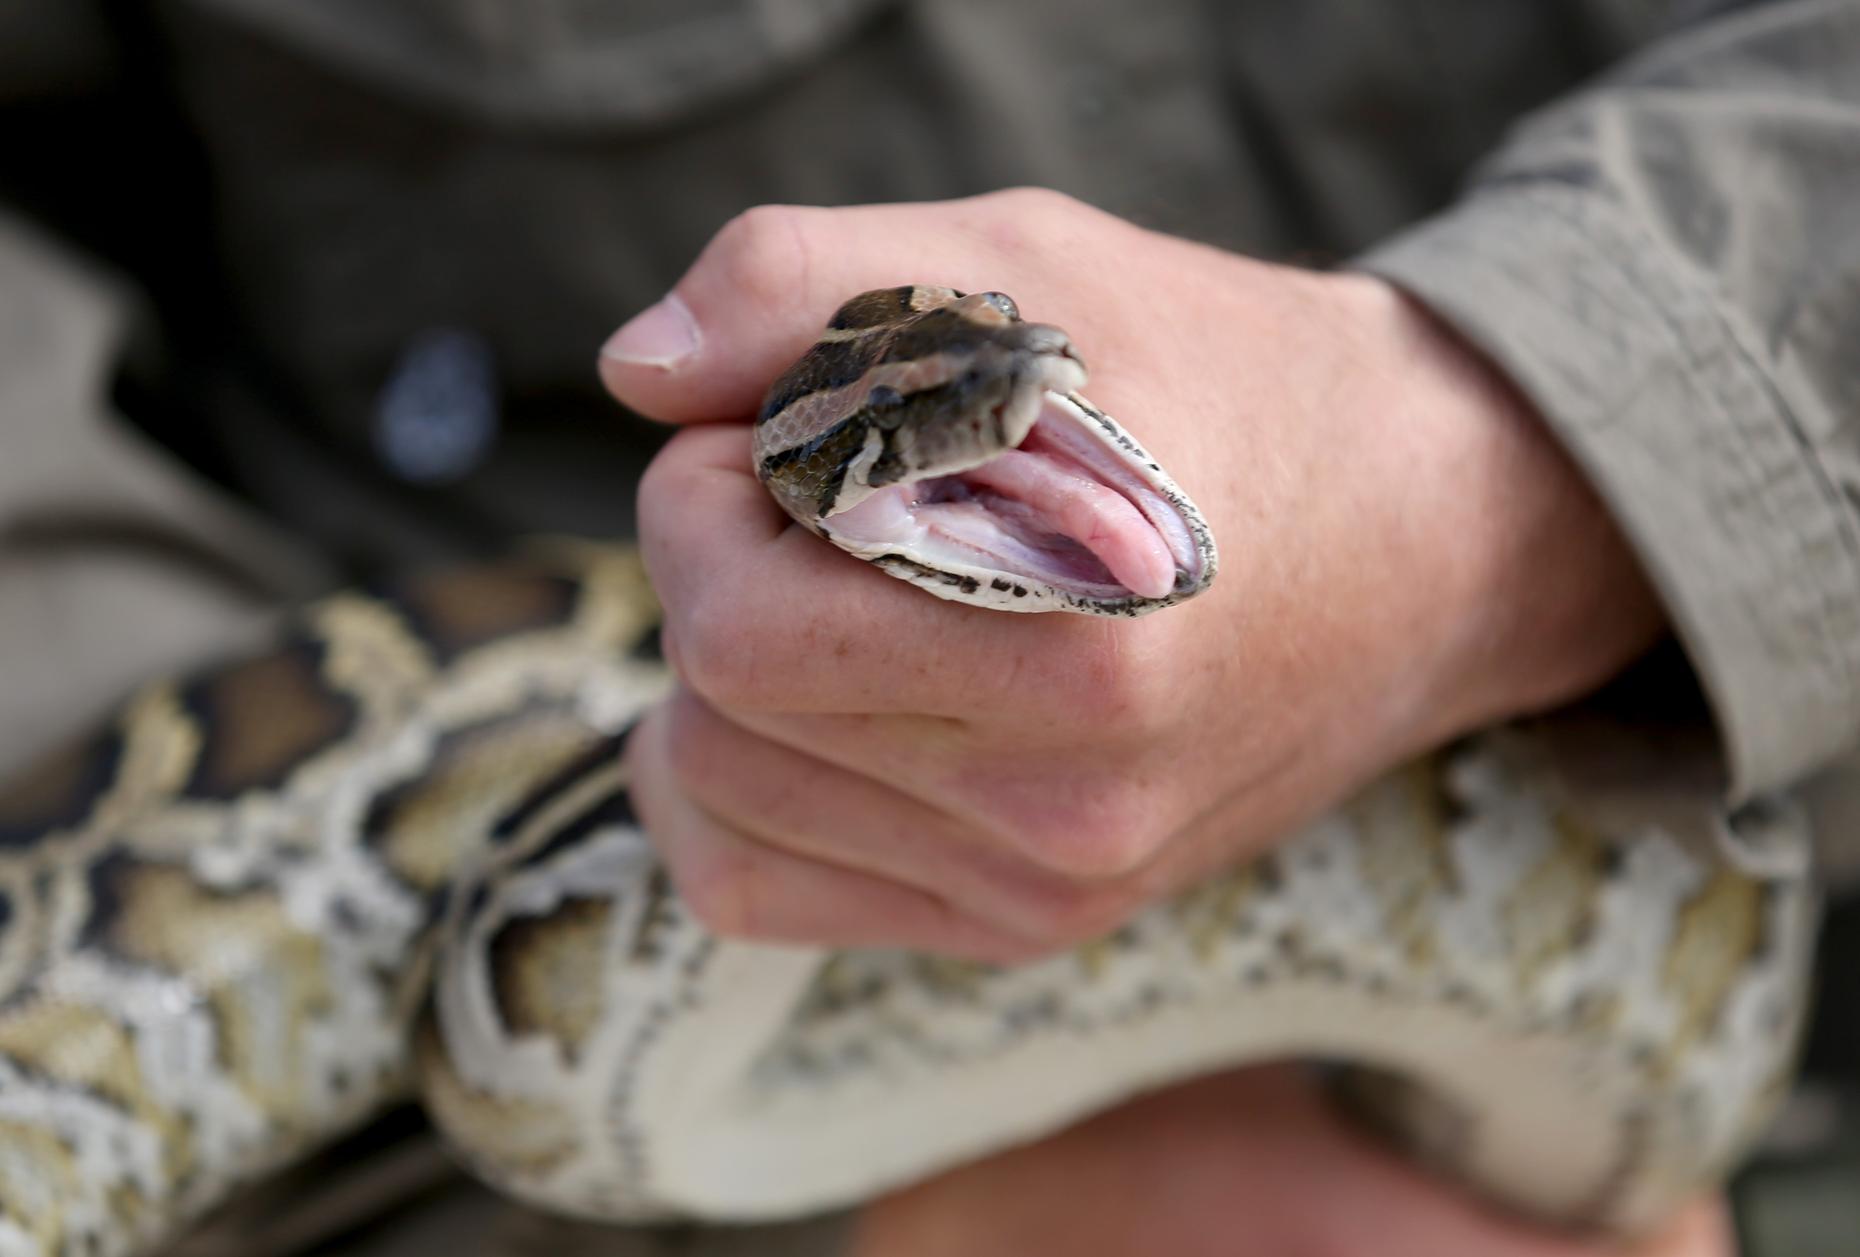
(1075,507)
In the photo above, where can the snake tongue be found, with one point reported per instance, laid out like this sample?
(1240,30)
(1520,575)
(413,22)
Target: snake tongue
(1069,510)
(1096,516)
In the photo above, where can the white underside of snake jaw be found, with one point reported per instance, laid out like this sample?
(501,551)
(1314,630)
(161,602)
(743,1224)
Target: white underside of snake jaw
(1078,517)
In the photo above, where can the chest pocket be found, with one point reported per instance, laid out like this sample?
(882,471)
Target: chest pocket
(591,62)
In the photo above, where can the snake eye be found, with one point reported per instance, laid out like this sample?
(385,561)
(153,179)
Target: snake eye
(1002,302)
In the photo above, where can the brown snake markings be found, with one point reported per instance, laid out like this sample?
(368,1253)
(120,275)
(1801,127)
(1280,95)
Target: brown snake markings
(174,862)
(397,853)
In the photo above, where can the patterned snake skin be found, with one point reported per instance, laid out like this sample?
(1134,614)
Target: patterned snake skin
(396,855)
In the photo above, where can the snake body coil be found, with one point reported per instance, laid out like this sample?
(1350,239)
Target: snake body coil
(396,853)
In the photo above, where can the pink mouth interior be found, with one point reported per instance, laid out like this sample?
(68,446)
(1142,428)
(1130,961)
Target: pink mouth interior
(1061,510)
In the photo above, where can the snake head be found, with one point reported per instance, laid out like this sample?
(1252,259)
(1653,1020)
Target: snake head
(942,437)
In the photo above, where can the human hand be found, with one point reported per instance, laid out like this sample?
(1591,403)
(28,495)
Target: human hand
(1245,1164)
(1405,555)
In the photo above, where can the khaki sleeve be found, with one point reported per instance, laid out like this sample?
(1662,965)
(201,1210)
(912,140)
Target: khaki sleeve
(1668,264)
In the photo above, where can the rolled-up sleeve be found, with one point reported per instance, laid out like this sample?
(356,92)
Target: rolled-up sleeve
(1668,264)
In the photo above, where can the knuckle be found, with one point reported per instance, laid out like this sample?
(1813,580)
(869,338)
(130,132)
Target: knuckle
(1057,937)
(671,534)
(715,653)
(1031,197)
(1012,233)
(662,487)
(1074,916)
(689,754)
(1108,830)
(763,252)
(718,889)
(1022,221)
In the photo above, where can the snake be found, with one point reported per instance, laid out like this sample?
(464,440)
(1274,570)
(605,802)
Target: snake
(393,855)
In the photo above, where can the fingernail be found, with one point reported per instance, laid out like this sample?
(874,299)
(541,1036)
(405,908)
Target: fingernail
(662,335)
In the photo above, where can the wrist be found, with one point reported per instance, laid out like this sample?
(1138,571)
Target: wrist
(1536,596)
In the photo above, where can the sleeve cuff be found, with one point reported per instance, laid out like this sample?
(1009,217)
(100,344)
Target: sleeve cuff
(1660,394)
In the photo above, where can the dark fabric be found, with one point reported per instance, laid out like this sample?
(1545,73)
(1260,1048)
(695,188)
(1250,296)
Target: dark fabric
(333,181)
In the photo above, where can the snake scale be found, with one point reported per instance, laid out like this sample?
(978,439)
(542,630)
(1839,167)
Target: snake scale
(395,855)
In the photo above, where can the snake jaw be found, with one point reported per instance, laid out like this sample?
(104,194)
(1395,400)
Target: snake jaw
(944,439)
(1075,517)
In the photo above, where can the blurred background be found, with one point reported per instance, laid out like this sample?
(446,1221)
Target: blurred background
(332,276)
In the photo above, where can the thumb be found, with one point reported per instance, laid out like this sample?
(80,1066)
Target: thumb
(765,286)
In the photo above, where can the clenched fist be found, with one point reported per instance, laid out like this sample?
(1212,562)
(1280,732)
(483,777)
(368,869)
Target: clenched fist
(1405,555)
